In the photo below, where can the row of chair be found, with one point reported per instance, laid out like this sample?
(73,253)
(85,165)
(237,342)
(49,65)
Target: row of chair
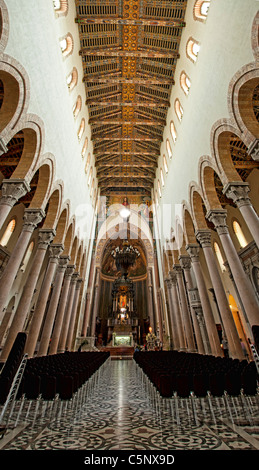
(61,374)
(183,373)
(10,367)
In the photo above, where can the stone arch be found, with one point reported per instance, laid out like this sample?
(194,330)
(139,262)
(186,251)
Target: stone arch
(69,238)
(9,98)
(41,194)
(61,227)
(21,162)
(79,256)
(74,250)
(4,21)
(207,172)
(242,100)
(197,207)
(232,155)
(54,203)
(189,231)
(255,36)
(15,89)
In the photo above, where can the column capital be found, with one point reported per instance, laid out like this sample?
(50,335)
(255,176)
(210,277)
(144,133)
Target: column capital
(75,276)
(173,277)
(167,281)
(193,251)
(31,218)
(55,250)
(185,262)
(70,269)
(45,238)
(238,192)
(219,218)
(79,282)
(63,262)
(12,190)
(204,237)
(177,269)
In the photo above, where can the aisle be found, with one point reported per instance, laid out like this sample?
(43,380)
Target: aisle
(119,410)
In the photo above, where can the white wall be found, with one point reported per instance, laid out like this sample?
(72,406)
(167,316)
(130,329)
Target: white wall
(225,40)
(35,31)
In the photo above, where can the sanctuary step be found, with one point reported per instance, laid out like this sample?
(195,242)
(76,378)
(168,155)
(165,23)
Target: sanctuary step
(119,352)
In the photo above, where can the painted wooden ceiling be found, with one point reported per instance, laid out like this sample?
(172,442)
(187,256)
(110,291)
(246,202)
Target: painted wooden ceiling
(129,50)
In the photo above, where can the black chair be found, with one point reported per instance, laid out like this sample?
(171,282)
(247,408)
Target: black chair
(216,384)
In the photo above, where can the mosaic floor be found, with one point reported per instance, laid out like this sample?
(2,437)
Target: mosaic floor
(119,409)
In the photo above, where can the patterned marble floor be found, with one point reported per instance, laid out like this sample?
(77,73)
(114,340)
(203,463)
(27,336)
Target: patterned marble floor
(119,409)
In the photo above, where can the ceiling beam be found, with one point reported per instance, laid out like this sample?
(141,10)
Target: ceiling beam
(134,122)
(124,53)
(130,22)
(130,175)
(133,81)
(134,139)
(101,103)
(123,165)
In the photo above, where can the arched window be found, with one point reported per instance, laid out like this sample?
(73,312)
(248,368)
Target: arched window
(239,234)
(72,79)
(81,129)
(159,188)
(66,45)
(27,256)
(165,164)
(185,83)
(8,232)
(60,7)
(192,49)
(84,149)
(178,109)
(173,131)
(162,177)
(77,106)
(90,176)
(92,188)
(201,9)
(87,163)
(219,257)
(169,150)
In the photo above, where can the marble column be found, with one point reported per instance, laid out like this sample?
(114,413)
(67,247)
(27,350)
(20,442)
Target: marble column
(193,251)
(173,321)
(67,315)
(235,349)
(238,192)
(86,315)
(59,317)
(196,305)
(96,301)
(32,217)
(150,299)
(177,312)
(12,190)
(52,309)
(185,262)
(71,328)
(55,251)
(185,309)
(45,238)
(218,217)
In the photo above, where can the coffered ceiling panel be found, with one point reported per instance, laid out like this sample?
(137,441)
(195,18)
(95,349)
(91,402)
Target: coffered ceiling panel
(129,50)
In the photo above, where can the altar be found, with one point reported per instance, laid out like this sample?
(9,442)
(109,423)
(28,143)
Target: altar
(122,340)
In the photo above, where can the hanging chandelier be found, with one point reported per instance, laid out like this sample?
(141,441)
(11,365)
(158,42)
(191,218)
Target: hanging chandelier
(125,257)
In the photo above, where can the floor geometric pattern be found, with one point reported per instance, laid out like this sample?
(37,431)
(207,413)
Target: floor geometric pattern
(119,409)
